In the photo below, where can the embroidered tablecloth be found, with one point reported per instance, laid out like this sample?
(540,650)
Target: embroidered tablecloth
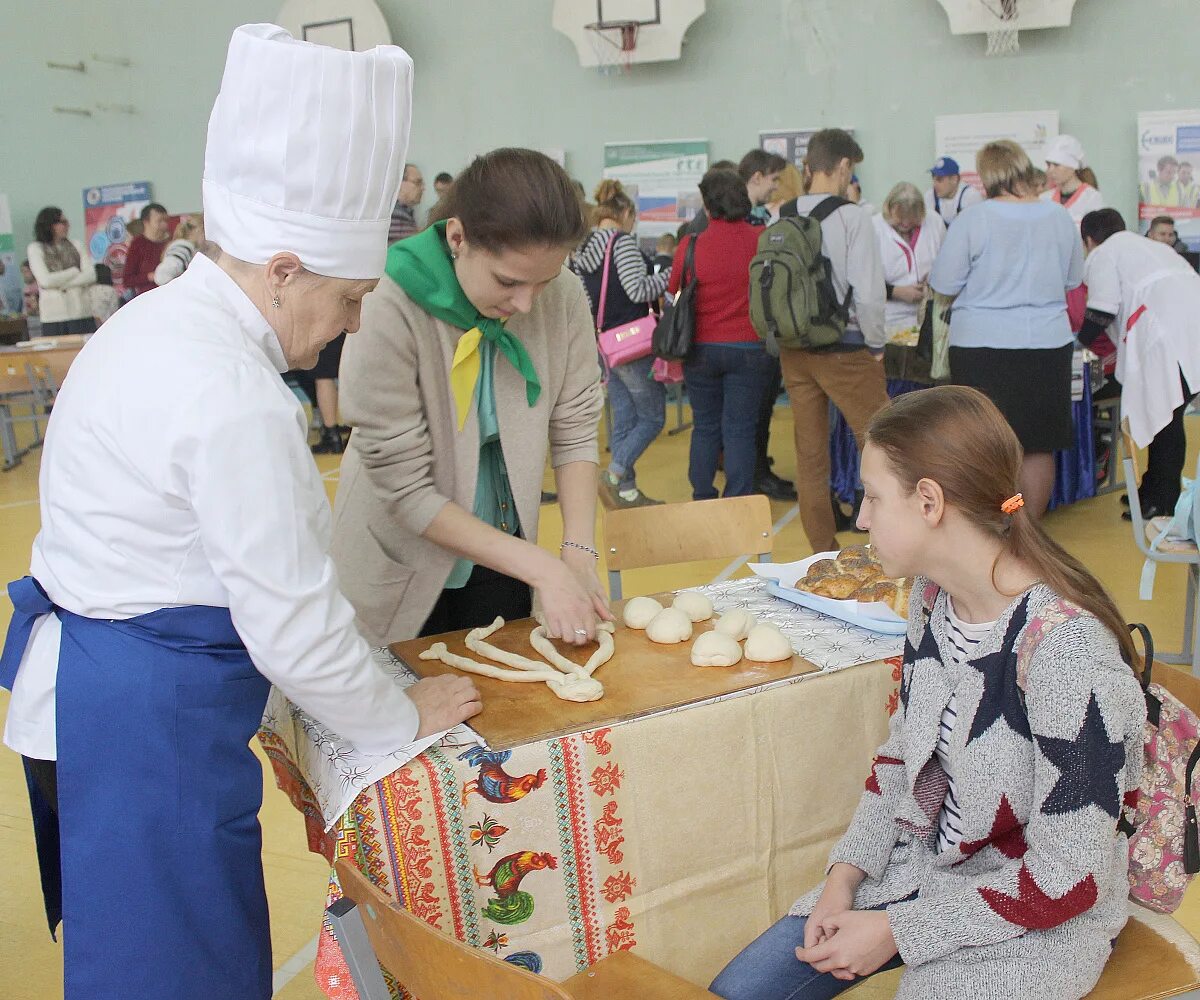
(680,835)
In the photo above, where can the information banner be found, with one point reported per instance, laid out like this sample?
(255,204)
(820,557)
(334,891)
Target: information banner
(11,284)
(790,143)
(1168,154)
(107,212)
(663,177)
(962,136)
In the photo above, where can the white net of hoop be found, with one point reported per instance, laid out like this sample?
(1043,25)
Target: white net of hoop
(613,44)
(1003,40)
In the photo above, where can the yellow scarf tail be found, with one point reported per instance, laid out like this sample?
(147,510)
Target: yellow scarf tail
(464,372)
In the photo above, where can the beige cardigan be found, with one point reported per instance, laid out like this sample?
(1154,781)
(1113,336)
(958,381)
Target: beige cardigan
(407,458)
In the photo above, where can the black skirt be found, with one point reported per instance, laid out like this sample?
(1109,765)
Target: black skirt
(330,358)
(1031,387)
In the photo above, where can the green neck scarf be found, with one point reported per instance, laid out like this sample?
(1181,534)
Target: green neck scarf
(422,266)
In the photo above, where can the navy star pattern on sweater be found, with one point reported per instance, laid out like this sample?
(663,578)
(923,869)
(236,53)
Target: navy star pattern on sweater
(1001,698)
(1088,766)
(927,650)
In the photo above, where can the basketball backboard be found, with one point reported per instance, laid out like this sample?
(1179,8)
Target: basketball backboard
(657,26)
(356,25)
(972,17)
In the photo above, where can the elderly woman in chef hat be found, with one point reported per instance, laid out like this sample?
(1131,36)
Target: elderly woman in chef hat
(182,564)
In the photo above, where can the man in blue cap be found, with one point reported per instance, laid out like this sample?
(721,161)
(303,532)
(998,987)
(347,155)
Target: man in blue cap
(949,196)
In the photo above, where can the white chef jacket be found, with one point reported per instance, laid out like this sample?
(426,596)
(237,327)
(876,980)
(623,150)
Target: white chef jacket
(176,472)
(949,209)
(906,265)
(1085,199)
(1155,296)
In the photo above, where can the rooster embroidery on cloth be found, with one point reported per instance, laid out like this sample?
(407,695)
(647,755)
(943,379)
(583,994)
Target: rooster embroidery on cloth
(511,905)
(493,783)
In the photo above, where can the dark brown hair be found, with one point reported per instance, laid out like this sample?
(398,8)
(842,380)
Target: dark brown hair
(43,225)
(827,148)
(955,436)
(724,195)
(1101,224)
(759,161)
(514,198)
(611,203)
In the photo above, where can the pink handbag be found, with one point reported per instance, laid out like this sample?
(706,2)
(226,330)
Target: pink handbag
(667,372)
(629,341)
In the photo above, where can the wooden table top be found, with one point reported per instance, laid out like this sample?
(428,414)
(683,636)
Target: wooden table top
(641,678)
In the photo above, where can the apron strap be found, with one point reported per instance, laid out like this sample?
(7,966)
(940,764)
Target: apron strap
(29,604)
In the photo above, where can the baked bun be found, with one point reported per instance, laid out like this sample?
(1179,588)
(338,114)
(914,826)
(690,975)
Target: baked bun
(881,590)
(822,568)
(855,555)
(837,587)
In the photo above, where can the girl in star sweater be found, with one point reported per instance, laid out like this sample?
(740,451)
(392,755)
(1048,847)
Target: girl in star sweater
(985,854)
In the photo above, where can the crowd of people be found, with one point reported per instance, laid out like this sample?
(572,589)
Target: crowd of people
(1005,261)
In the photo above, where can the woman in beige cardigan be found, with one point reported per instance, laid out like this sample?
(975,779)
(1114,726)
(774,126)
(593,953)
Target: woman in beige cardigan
(476,354)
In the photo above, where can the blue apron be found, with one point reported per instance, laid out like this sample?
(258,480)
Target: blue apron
(158,799)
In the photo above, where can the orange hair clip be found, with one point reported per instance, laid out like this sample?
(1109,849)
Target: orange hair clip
(1013,504)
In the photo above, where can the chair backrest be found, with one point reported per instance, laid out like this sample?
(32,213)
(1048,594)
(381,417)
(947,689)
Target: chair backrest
(431,964)
(686,532)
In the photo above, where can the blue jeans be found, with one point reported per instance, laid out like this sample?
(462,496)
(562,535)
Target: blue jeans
(725,386)
(639,410)
(768,969)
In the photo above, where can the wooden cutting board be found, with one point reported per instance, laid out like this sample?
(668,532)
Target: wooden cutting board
(642,677)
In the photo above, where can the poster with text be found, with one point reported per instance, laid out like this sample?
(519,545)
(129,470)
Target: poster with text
(11,284)
(107,212)
(666,177)
(962,136)
(790,143)
(1168,157)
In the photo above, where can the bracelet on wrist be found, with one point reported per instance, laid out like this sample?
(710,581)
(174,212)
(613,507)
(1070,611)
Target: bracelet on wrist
(583,548)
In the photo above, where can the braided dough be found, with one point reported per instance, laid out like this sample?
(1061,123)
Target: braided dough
(567,680)
(540,641)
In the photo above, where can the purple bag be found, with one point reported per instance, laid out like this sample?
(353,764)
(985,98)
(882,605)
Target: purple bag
(629,341)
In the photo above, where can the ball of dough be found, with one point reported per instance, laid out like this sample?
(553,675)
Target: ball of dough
(766,644)
(576,687)
(669,626)
(736,623)
(715,649)
(640,612)
(696,606)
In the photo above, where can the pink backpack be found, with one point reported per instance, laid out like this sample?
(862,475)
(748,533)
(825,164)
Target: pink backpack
(1164,849)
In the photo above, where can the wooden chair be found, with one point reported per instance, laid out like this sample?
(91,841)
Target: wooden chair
(372,931)
(685,532)
(1169,552)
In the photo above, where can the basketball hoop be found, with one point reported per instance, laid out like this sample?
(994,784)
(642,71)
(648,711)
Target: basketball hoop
(1003,40)
(614,43)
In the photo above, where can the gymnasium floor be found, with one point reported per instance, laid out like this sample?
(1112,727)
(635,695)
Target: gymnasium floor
(32,963)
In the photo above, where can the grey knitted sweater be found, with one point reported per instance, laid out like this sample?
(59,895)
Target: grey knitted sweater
(1047,748)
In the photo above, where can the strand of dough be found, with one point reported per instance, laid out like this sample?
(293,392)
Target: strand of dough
(540,641)
(439,651)
(569,687)
(475,642)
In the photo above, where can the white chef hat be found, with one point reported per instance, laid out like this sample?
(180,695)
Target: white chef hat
(306,148)
(1067,151)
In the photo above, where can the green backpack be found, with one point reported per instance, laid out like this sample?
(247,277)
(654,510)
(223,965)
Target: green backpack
(793,303)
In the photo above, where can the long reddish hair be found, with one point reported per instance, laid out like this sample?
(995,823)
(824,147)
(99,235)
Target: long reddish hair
(955,436)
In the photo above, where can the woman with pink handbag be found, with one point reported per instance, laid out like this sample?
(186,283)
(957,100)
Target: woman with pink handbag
(616,276)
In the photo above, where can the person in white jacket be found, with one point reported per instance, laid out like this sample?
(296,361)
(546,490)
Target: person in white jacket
(64,273)
(1071,182)
(909,240)
(1147,299)
(182,565)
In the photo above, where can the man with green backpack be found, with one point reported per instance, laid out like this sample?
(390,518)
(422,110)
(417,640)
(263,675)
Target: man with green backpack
(817,299)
